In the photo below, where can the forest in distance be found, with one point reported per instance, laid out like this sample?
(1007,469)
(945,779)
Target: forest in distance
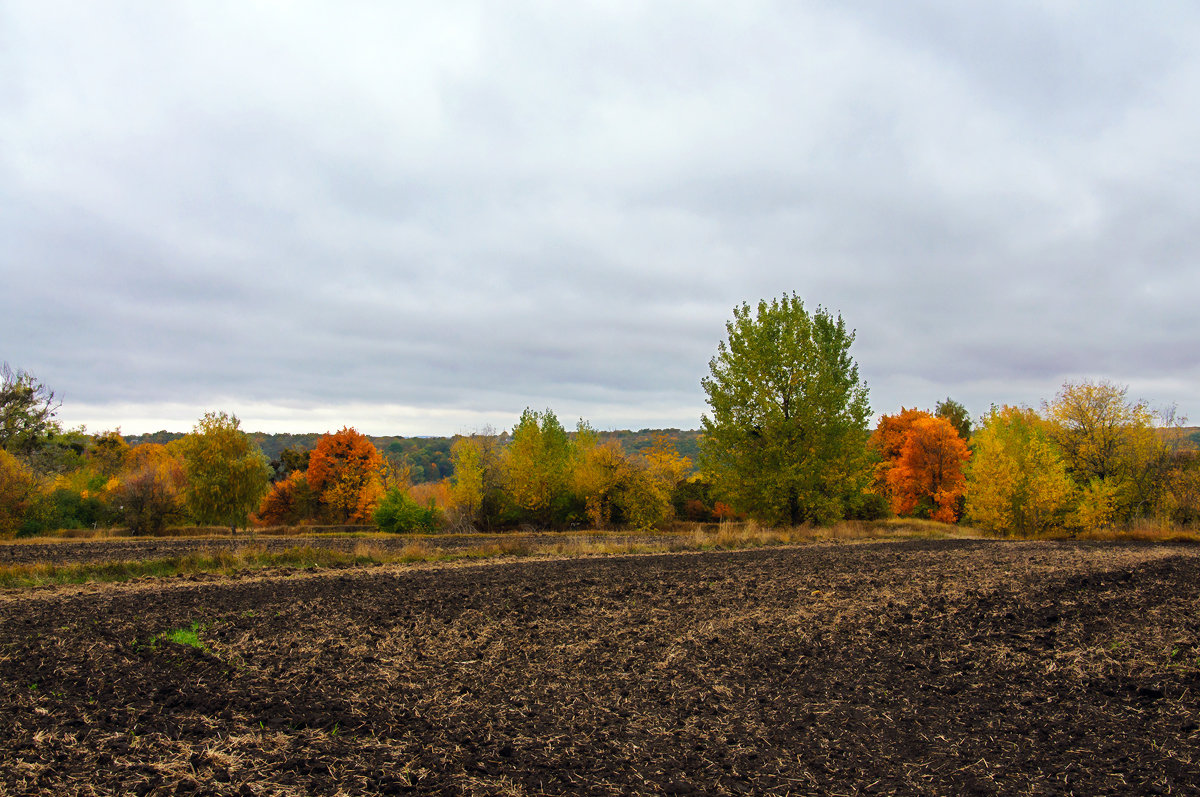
(427,457)
(788,440)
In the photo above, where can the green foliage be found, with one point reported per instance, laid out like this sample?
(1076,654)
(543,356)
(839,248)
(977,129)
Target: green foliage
(226,474)
(27,410)
(869,506)
(289,461)
(957,414)
(429,459)
(786,441)
(107,452)
(398,513)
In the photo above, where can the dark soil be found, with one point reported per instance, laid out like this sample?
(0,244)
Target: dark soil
(913,668)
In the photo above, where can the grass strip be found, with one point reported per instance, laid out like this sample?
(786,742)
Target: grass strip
(727,537)
(223,561)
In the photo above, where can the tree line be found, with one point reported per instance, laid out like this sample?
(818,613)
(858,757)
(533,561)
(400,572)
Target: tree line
(785,441)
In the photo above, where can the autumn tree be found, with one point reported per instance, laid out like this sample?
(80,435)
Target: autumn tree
(887,441)
(18,492)
(599,471)
(646,500)
(289,502)
(108,452)
(343,472)
(476,492)
(537,466)
(786,438)
(1017,481)
(227,474)
(927,477)
(1110,448)
(150,489)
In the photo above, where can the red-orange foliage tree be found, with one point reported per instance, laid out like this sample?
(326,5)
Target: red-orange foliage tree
(929,471)
(888,441)
(289,502)
(343,472)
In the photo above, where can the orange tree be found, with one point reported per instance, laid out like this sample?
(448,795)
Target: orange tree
(343,472)
(888,442)
(927,477)
(288,503)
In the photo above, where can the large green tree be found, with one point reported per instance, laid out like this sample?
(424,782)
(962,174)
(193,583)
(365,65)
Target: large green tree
(227,474)
(27,410)
(786,441)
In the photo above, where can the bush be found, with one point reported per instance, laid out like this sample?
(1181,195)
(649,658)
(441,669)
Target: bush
(869,506)
(399,513)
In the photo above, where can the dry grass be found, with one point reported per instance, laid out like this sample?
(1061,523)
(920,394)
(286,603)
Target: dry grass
(425,549)
(1142,531)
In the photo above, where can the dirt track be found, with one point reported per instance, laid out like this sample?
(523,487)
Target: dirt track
(914,668)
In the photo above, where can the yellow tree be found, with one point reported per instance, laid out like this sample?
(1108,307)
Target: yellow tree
(537,467)
(227,474)
(1109,446)
(149,490)
(18,491)
(598,472)
(476,491)
(646,500)
(1017,482)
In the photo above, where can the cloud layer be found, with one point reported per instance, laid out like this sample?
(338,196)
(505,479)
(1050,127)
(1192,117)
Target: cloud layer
(422,220)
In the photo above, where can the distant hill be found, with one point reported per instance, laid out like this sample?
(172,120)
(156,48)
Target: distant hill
(429,457)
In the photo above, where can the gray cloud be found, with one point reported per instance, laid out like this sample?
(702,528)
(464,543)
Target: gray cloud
(429,218)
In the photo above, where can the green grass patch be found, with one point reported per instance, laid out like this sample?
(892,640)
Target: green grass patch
(186,636)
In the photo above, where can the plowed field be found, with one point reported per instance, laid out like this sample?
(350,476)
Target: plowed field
(912,668)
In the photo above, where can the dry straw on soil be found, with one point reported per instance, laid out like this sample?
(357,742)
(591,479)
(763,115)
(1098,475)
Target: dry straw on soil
(909,667)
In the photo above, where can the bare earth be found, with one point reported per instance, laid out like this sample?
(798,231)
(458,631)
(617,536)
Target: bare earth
(923,667)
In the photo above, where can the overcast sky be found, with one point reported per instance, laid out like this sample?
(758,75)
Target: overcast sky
(420,218)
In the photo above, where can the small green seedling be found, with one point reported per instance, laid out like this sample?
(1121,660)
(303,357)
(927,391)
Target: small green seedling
(184,636)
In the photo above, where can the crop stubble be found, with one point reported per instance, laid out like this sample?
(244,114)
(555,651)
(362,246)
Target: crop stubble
(919,667)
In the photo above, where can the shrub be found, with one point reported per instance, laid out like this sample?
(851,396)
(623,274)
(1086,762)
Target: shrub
(399,513)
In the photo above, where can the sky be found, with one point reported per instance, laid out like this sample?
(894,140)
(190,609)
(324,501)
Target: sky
(422,218)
